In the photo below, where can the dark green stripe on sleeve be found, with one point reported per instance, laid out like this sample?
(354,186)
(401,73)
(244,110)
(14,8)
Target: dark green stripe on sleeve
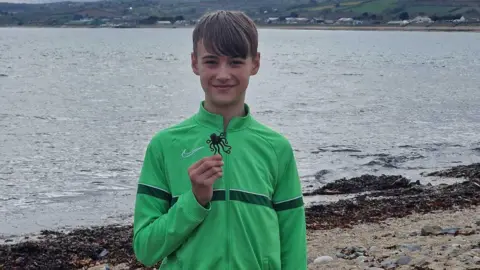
(218,195)
(154,192)
(250,198)
(290,204)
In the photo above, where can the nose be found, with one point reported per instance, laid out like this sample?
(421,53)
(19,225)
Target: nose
(223,73)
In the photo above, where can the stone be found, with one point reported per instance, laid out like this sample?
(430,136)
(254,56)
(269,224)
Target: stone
(466,232)
(411,247)
(388,264)
(420,262)
(373,249)
(477,223)
(431,230)
(404,260)
(361,259)
(451,231)
(323,259)
(476,260)
(122,266)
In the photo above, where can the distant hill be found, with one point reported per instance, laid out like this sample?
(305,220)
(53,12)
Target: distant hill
(136,10)
(389,8)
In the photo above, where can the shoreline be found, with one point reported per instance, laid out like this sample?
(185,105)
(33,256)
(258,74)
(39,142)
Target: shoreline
(408,28)
(380,203)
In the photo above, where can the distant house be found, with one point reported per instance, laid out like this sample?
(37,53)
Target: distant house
(292,20)
(164,22)
(272,20)
(345,21)
(317,20)
(421,19)
(401,23)
(461,20)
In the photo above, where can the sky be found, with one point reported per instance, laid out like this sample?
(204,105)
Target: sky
(41,1)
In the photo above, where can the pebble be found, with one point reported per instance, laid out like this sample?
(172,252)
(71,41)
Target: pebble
(323,259)
(431,230)
(388,264)
(411,247)
(404,260)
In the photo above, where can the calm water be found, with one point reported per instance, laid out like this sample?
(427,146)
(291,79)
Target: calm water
(78,106)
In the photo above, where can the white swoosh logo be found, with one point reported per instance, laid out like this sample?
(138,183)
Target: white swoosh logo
(186,154)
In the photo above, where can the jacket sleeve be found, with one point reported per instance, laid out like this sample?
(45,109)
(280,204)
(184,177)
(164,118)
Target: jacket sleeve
(288,203)
(159,228)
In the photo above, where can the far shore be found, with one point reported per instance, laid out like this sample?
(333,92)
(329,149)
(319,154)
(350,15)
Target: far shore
(383,27)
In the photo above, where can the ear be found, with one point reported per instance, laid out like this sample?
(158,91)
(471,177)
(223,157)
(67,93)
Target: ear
(194,63)
(256,64)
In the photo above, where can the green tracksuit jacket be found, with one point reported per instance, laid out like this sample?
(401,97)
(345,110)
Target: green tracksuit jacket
(256,218)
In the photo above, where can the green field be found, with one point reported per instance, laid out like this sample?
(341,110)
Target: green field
(390,8)
(374,6)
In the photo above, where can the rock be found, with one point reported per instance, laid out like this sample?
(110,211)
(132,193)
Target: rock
(122,266)
(413,234)
(476,260)
(466,232)
(362,259)
(477,223)
(374,268)
(388,264)
(323,259)
(404,260)
(431,230)
(373,249)
(310,260)
(411,247)
(451,231)
(420,262)
(351,253)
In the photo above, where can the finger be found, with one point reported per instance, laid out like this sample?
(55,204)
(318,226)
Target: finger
(207,165)
(210,172)
(210,180)
(197,164)
(201,161)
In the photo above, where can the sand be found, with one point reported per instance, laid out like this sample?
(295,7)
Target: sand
(438,252)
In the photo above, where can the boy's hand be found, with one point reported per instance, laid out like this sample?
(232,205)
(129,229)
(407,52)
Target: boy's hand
(203,174)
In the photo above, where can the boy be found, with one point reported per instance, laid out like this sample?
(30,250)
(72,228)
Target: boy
(220,190)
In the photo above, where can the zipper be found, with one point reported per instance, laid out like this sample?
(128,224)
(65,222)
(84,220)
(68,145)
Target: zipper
(227,201)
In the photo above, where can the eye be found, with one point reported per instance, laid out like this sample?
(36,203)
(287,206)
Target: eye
(237,62)
(210,62)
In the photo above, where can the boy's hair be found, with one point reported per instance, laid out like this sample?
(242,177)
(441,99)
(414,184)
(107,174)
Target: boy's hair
(228,33)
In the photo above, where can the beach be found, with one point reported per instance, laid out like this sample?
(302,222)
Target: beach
(391,223)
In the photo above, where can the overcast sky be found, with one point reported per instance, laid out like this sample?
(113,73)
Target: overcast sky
(41,1)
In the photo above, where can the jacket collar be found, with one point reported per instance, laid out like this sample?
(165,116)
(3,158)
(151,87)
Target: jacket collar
(215,121)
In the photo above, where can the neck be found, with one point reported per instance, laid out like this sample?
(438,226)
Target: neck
(227,112)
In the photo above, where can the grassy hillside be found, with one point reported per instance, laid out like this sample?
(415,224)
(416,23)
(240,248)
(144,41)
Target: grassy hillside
(389,9)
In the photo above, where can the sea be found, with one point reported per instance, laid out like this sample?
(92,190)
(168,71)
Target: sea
(78,107)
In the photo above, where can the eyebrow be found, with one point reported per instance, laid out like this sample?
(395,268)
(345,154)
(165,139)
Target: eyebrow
(214,57)
(210,57)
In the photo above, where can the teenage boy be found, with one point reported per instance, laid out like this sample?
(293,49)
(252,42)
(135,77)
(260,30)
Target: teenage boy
(221,190)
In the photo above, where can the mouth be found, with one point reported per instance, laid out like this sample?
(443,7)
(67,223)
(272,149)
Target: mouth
(223,87)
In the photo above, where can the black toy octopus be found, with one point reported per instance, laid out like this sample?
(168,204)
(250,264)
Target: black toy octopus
(218,142)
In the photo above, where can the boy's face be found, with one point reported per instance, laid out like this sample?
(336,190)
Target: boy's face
(224,79)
